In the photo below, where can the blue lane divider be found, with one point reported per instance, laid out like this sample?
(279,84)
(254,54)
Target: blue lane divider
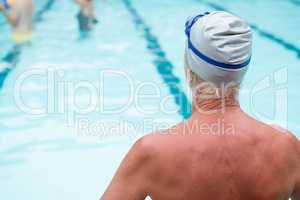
(3,75)
(46,7)
(11,60)
(295,2)
(263,33)
(12,57)
(162,64)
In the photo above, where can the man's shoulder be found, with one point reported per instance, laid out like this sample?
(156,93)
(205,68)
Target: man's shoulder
(141,155)
(146,154)
(155,144)
(285,135)
(287,141)
(151,144)
(281,134)
(146,145)
(294,143)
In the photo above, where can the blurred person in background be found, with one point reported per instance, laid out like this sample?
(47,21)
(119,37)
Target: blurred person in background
(86,16)
(19,14)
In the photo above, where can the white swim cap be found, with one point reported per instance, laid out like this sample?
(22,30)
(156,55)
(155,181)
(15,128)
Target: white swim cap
(218,47)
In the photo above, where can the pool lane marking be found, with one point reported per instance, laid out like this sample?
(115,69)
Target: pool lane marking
(295,2)
(162,64)
(46,7)
(13,55)
(263,33)
(3,75)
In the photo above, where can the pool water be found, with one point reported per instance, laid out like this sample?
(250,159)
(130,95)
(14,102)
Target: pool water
(59,140)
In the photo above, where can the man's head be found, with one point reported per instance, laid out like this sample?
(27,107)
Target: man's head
(218,50)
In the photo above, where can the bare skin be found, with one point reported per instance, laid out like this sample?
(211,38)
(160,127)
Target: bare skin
(87,8)
(20,16)
(245,160)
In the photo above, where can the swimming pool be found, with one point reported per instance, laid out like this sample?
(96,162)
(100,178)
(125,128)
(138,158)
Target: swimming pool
(63,151)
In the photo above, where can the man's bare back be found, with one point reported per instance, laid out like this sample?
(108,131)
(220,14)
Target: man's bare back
(220,153)
(255,161)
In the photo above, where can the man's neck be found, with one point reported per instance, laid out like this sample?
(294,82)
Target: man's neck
(216,105)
